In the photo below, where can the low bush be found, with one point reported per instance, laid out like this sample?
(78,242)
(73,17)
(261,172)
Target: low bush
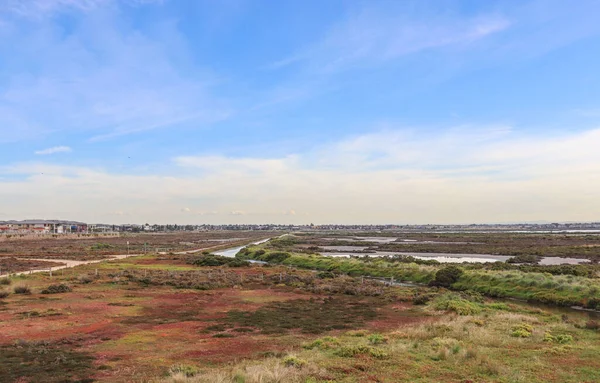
(357,333)
(4,294)
(292,361)
(454,302)
(185,370)
(560,338)
(592,325)
(525,258)
(376,339)
(22,290)
(324,343)
(352,351)
(57,289)
(447,276)
(5,281)
(218,260)
(522,330)
(422,299)
(223,335)
(85,279)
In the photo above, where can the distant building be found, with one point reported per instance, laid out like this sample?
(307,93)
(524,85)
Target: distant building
(42,227)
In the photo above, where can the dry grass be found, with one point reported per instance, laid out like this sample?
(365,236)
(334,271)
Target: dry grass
(270,370)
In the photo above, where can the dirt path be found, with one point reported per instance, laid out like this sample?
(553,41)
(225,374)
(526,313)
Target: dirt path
(68,263)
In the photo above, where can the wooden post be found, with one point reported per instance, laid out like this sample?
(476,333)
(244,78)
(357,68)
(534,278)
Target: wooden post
(96,272)
(51,272)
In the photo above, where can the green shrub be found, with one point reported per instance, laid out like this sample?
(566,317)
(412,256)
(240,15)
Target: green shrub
(447,276)
(522,330)
(292,361)
(276,257)
(5,281)
(454,302)
(212,260)
(322,343)
(560,338)
(352,351)
(377,339)
(4,294)
(357,333)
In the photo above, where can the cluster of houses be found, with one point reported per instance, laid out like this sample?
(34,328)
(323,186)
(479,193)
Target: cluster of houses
(42,227)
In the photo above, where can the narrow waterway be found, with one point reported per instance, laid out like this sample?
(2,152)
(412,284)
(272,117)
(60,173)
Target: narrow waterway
(234,250)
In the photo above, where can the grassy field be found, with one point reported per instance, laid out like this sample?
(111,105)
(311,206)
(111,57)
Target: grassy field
(568,285)
(201,318)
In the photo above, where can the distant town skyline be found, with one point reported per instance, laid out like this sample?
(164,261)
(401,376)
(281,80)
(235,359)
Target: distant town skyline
(293,112)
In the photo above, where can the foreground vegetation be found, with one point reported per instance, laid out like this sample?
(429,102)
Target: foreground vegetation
(204,318)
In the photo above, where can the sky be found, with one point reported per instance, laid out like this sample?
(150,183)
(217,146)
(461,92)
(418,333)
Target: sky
(338,111)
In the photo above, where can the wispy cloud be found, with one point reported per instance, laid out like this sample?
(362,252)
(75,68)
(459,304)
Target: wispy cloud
(372,36)
(105,77)
(54,150)
(40,8)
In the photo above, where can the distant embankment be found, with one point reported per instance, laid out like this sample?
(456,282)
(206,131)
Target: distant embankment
(38,236)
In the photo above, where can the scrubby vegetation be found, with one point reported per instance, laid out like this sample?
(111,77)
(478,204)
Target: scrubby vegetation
(217,260)
(22,289)
(565,285)
(165,318)
(312,316)
(447,276)
(44,362)
(525,258)
(57,289)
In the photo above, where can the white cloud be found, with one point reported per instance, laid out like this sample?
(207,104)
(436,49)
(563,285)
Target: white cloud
(461,175)
(54,150)
(235,165)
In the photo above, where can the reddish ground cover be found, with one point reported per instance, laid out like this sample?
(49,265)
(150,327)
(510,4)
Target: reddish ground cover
(135,331)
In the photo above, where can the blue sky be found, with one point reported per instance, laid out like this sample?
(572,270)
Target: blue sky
(299,111)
